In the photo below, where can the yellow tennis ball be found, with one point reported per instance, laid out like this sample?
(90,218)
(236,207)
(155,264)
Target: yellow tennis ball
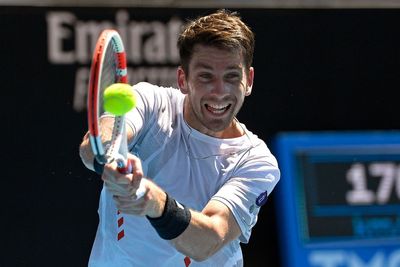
(119,98)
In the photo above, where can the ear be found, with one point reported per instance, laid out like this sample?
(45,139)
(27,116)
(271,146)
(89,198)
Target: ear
(250,80)
(181,78)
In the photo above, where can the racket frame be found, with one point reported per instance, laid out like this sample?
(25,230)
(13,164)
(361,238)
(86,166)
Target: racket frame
(106,154)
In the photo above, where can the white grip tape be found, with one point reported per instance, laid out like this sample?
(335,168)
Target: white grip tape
(141,189)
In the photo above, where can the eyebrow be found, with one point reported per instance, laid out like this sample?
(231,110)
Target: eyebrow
(208,67)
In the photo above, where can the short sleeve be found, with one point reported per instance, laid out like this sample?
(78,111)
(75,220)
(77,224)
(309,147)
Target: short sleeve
(153,109)
(248,190)
(137,118)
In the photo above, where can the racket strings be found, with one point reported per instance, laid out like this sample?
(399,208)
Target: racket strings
(114,67)
(116,140)
(112,63)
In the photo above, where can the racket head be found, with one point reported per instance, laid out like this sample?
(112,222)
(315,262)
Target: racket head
(108,67)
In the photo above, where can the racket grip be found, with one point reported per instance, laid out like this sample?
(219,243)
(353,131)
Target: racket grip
(124,168)
(98,167)
(141,191)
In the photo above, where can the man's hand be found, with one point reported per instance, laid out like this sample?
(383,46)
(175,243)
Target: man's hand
(124,187)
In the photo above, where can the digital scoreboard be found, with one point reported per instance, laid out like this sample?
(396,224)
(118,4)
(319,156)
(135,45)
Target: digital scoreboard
(338,200)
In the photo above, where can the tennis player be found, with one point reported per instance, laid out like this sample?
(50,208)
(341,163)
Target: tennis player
(206,175)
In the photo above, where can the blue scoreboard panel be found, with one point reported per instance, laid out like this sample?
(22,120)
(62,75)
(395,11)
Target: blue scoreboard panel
(338,201)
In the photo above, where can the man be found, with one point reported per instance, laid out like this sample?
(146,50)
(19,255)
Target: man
(206,175)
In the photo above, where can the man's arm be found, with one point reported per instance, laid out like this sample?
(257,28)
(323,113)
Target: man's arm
(85,152)
(106,128)
(208,230)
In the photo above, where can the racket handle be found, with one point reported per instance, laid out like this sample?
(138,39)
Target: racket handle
(141,191)
(98,167)
(123,167)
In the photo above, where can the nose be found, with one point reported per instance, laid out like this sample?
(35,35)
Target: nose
(218,87)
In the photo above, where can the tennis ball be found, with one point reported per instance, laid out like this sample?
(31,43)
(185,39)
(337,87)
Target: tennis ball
(119,98)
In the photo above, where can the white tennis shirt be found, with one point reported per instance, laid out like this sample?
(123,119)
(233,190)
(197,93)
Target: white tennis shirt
(191,167)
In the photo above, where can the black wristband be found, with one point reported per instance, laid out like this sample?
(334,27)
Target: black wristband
(173,221)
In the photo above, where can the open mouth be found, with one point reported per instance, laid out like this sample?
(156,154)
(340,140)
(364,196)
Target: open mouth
(217,109)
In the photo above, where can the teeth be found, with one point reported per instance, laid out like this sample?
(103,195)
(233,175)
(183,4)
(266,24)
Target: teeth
(216,106)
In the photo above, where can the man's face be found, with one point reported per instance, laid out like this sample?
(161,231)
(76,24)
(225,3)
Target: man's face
(216,86)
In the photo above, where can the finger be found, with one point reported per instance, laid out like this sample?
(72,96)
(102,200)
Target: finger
(137,170)
(112,174)
(127,205)
(118,189)
(123,179)
(109,171)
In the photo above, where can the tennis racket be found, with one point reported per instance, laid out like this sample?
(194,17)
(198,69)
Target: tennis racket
(109,66)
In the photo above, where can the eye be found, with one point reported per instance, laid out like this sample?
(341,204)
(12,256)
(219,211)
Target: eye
(233,76)
(205,76)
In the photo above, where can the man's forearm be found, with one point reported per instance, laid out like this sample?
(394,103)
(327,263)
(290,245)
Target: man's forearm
(85,152)
(202,238)
(207,231)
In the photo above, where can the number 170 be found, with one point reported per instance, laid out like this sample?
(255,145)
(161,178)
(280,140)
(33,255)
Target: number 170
(360,194)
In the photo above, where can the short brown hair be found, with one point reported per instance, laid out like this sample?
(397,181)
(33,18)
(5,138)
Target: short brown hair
(223,29)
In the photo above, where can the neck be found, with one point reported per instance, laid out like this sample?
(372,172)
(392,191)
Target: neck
(234,130)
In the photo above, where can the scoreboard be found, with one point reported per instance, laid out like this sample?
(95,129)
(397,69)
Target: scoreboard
(338,201)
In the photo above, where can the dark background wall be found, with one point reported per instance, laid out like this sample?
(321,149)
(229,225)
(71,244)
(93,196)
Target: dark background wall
(316,70)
